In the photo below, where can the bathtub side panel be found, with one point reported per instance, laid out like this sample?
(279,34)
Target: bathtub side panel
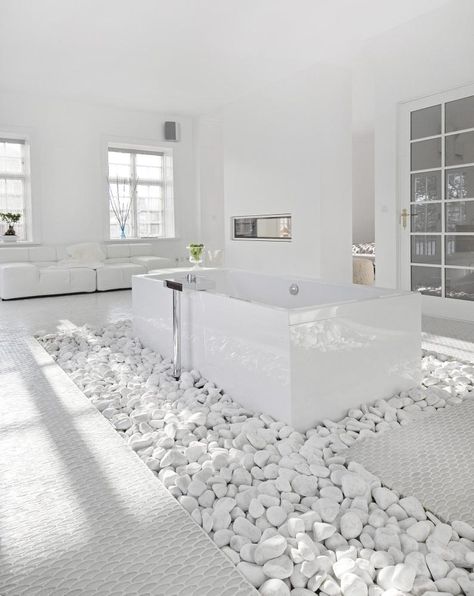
(152,307)
(244,348)
(367,350)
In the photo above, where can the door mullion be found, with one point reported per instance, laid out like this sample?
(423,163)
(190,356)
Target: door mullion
(443,199)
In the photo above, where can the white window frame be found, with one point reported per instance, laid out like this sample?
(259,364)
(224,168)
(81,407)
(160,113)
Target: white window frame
(25,177)
(167,190)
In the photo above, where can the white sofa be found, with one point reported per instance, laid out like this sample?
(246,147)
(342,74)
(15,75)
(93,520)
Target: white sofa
(36,271)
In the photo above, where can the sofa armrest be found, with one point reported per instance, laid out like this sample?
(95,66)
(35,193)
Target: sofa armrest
(18,280)
(151,262)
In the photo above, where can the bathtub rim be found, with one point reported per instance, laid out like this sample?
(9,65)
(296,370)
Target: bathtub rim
(385,293)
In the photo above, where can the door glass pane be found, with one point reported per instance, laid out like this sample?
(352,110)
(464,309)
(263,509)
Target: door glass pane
(426,280)
(459,148)
(426,217)
(460,216)
(426,154)
(426,186)
(426,249)
(460,284)
(460,251)
(460,114)
(460,183)
(426,122)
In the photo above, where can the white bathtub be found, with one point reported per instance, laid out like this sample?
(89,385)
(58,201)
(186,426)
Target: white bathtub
(301,358)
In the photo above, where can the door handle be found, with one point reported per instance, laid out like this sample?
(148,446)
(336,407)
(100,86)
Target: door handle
(404,215)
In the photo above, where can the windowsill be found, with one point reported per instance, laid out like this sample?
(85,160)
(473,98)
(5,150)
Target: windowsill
(134,240)
(18,243)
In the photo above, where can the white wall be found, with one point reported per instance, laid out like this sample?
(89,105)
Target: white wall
(69,165)
(287,148)
(363,140)
(210,181)
(363,188)
(428,55)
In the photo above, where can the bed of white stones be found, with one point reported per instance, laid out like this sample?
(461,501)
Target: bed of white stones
(282,505)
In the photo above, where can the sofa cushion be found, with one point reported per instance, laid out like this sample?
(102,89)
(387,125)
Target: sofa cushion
(13,255)
(117,260)
(151,262)
(115,276)
(141,249)
(86,252)
(117,251)
(42,254)
(18,280)
(53,280)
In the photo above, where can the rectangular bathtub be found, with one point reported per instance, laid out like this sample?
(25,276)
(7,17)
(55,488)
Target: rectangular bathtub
(300,357)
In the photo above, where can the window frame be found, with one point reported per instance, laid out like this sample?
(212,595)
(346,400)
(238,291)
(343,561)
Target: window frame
(25,177)
(167,185)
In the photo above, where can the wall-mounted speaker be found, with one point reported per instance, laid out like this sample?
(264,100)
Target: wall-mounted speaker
(171,131)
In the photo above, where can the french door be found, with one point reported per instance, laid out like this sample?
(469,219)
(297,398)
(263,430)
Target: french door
(436,188)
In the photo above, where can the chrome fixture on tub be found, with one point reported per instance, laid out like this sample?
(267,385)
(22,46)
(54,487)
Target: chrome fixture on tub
(177,288)
(294,289)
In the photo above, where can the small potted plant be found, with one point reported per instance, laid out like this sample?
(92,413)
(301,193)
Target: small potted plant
(10,219)
(195,253)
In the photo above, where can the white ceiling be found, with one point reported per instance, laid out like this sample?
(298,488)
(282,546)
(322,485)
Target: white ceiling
(187,56)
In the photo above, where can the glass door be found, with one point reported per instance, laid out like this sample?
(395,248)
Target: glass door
(437,197)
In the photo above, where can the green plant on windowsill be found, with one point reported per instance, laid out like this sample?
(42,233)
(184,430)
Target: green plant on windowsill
(10,219)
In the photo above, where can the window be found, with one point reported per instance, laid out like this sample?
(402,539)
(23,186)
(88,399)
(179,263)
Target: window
(14,182)
(140,193)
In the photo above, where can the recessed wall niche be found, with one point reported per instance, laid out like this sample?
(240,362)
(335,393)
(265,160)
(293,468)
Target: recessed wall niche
(274,228)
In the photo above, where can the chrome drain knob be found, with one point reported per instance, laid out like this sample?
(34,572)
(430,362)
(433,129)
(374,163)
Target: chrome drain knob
(294,289)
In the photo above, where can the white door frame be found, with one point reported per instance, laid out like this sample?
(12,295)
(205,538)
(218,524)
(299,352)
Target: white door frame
(433,306)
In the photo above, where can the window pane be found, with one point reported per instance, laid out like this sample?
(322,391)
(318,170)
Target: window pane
(460,183)
(426,122)
(148,173)
(460,284)
(12,199)
(460,148)
(122,172)
(426,249)
(11,149)
(426,218)
(426,186)
(460,250)
(426,154)
(149,159)
(121,211)
(460,216)
(11,165)
(460,114)
(119,157)
(426,280)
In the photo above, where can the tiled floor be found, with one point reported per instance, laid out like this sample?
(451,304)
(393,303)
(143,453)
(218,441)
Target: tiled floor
(431,458)
(38,315)
(80,513)
(449,337)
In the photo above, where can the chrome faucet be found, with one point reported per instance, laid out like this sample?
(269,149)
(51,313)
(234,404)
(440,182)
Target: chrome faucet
(191,278)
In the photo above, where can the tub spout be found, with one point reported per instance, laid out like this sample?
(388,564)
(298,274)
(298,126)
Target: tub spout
(176,334)
(176,288)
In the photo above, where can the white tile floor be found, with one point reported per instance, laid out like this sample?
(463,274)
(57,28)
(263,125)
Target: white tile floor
(38,315)
(449,337)
(79,512)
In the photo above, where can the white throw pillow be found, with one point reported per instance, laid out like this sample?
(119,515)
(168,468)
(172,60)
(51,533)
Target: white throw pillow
(86,252)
